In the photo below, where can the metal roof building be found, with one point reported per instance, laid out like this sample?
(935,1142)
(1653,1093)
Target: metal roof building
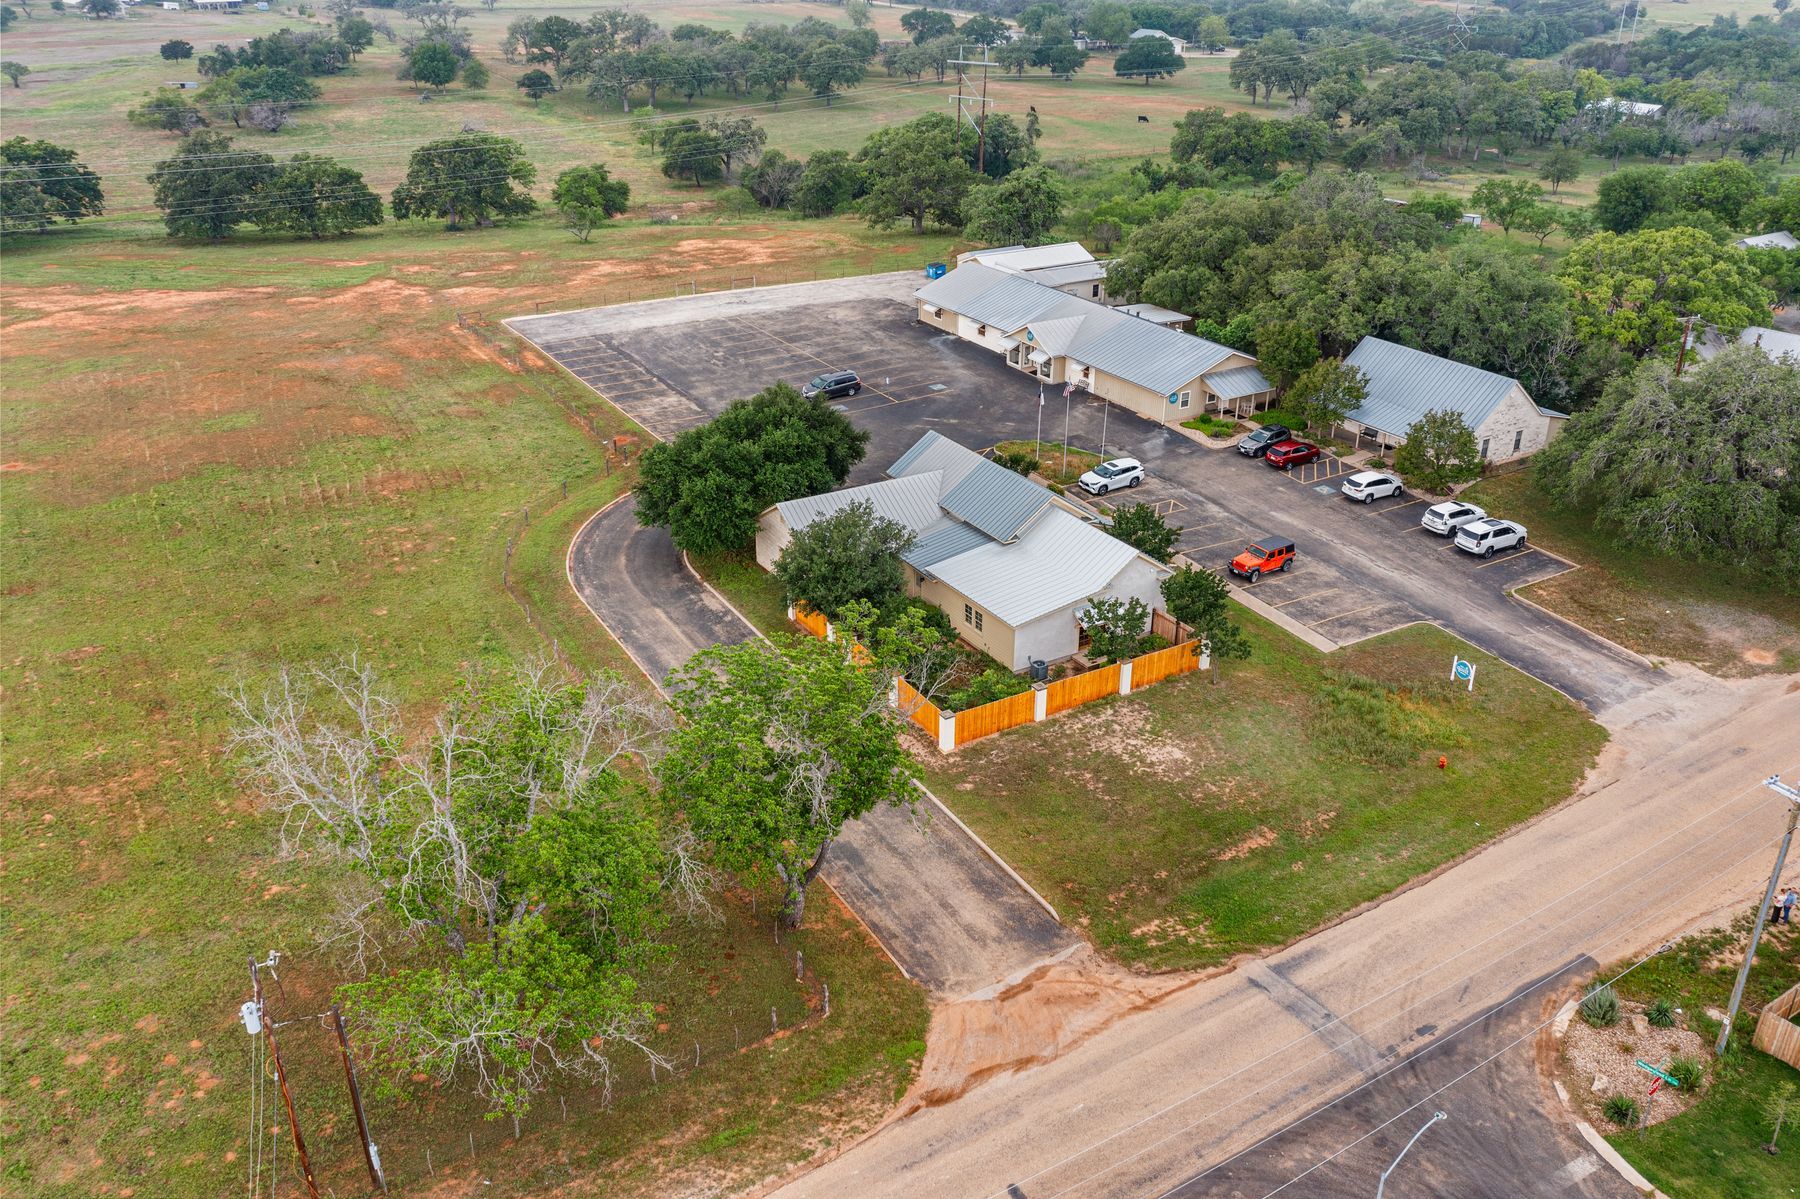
(1404,384)
(1159,372)
(1781,239)
(1006,559)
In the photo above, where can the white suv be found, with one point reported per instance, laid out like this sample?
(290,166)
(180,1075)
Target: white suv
(1110,476)
(1370,485)
(1485,536)
(1446,518)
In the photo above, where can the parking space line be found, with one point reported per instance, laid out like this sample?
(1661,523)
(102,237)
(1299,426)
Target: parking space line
(1297,599)
(1215,545)
(1407,504)
(1341,615)
(1512,557)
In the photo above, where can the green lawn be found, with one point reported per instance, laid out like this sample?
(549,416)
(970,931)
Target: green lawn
(215,465)
(1191,822)
(1724,620)
(1713,1151)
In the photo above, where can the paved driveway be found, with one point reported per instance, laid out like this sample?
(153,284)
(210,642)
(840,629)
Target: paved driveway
(1360,571)
(946,911)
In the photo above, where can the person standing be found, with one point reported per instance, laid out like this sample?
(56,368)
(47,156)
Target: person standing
(1788,899)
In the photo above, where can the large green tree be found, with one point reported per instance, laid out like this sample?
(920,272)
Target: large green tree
(709,485)
(589,196)
(780,744)
(1326,392)
(522,882)
(1627,198)
(1021,209)
(829,68)
(917,171)
(1148,58)
(468,177)
(927,23)
(852,554)
(1704,467)
(207,189)
(831,180)
(1142,528)
(1201,600)
(1440,450)
(316,196)
(432,63)
(42,183)
(1636,290)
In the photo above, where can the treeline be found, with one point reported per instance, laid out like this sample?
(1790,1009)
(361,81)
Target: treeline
(620,55)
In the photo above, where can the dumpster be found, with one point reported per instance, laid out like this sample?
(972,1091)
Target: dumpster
(936,270)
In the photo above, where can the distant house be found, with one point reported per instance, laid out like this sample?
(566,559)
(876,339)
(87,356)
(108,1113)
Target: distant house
(218,5)
(1008,561)
(1627,108)
(1156,371)
(1780,240)
(1404,384)
(1178,44)
(1066,266)
(1777,344)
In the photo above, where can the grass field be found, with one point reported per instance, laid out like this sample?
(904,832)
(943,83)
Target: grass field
(1192,822)
(1725,621)
(1714,1150)
(220,458)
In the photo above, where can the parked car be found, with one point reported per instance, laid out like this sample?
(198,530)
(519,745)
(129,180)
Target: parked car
(1285,455)
(1261,557)
(831,385)
(1371,485)
(1447,517)
(1111,475)
(1258,443)
(1485,536)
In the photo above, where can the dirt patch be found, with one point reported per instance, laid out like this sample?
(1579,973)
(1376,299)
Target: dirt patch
(1051,1010)
(1261,838)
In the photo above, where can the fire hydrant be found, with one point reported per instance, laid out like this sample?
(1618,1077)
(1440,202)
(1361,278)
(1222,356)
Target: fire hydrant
(1442,761)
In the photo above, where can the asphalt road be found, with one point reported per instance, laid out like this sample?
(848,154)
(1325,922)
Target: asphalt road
(1360,570)
(952,918)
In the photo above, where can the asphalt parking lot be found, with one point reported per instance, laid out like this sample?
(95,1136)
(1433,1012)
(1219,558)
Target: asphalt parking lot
(1359,571)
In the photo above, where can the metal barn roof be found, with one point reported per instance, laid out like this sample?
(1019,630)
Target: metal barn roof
(1030,258)
(946,539)
(1238,382)
(1781,239)
(935,452)
(1405,384)
(1060,561)
(912,501)
(997,501)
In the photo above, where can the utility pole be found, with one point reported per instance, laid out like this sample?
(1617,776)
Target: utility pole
(1773,783)
(371,1155)
(1687,335)
(978,118)
(1381,1185)
(287,1096)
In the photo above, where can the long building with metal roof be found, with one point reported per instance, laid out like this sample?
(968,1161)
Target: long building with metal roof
(1403,384)
(1158,372)
(1009,561)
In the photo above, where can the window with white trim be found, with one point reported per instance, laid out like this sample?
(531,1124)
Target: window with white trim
(968,614)
(978,622)
(1187,397)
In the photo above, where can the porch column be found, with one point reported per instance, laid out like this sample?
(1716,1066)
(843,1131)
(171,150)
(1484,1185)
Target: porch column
(946,732)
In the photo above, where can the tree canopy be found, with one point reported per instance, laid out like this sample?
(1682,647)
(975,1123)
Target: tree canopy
(589,196)
(1021,209)
(851,555)
(316,196)
(1440,450)
(1705,466)
(917,171)
(1636,289)
(1140,527)
(468,177)
(709,485)
(1201,600)
(207,188)
(42,183)
(1148,58)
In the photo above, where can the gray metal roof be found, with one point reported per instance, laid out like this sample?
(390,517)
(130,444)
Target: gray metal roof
(997,501)
(935,452)
(1404,384)
(1080,272)
(946,539)
(912,501)
(1781,239)
(1238,382)
(1061,560)
(1138,351)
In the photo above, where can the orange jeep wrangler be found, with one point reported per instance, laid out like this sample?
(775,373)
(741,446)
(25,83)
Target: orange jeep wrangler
(1271,553)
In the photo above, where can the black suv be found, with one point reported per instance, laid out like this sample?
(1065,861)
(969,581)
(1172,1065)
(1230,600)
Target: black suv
(1258,443)
(831,385)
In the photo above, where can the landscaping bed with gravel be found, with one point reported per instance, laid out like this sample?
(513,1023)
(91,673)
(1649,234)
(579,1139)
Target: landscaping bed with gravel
(1599,1063)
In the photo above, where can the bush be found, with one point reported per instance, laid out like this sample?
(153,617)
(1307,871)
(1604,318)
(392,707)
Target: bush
(1282,416)
(1622,1110)
(1017,461)
(1600,1007)
(935,617)
(1210,425)
(1661,1014)
(985,688)
(1687,1072)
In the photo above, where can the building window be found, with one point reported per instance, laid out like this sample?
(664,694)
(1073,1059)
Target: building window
(1187,397)
(1518,439)
(1096,291)
(968,614)
(1484,448)
(978,622)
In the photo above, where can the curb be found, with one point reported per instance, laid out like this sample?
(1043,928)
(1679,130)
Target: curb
(720,596)
(1579,628)
(1589,1133)
(998,860)
(569,574)
(1281,620)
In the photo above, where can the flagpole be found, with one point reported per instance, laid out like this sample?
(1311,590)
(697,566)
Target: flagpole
(1104,413)
(1039,453)
(1067,391)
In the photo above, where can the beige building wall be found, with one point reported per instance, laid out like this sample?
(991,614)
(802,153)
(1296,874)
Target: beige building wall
(1515,428)
(928,314)
(994,637)
(772,537)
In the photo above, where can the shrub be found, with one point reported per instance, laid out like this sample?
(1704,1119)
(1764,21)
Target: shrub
(935,617)
(985,688)
(1661,1014)
(1017,461)
(1210,425)
(1600,1007)
(1687,1072)
(1294,420)
(1622,1110)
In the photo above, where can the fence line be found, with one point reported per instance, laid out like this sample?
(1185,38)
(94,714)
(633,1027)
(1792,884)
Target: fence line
(995,717)
(1083,688)
(918,709)
(1158,665)
(1776,1033)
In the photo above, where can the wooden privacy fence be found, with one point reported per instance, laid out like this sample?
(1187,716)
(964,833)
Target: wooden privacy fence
(1776,1033)
(952,730)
